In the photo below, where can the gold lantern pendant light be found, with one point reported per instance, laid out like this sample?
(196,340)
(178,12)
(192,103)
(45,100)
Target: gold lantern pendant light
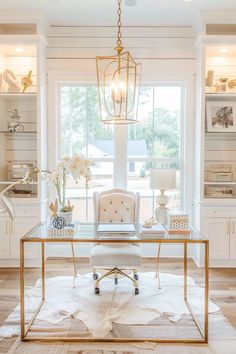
(118,84)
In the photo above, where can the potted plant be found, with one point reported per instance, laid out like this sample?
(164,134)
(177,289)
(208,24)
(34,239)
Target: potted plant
(77,166)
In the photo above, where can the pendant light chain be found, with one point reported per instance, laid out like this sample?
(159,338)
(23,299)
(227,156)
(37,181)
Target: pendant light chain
(119,41)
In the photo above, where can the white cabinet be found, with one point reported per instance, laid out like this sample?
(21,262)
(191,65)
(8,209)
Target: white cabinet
(219,227)
(11,231)
(18,228)
(217,230)
(232,250)
(4,238)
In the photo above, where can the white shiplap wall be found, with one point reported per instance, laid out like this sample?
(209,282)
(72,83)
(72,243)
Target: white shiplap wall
(164,52)
(158,48)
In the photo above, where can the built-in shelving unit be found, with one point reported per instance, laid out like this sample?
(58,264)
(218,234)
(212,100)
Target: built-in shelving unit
(214,202)
(220,122)
(20,148)
(26,147)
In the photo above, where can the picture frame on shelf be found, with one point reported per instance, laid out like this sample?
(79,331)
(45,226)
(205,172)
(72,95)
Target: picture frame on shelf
(221,116)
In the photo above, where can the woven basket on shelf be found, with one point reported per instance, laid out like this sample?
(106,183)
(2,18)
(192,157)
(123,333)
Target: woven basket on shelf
(219,191)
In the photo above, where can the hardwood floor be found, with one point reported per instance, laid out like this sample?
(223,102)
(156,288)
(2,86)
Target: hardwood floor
(222,282)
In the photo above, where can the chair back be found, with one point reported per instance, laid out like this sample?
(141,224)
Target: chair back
(116,205)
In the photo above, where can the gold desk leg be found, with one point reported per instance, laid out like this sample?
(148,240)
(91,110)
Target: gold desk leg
(157,266)
(26,329)
(206,290)
(185,270)
(22,289)
(74,262)
(204,334)
(43,271)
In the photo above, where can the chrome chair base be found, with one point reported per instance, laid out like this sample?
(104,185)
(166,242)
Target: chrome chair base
(116,272)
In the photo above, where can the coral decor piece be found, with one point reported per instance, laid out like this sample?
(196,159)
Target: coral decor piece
(26,81)
(11,81)
(15,124)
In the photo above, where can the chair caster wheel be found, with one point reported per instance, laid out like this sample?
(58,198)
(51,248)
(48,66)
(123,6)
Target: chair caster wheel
(136,291)
(95,276)
(116,281)
(136,276)
(97,291)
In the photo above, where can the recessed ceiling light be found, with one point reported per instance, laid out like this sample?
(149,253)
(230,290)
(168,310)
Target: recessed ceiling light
(188,0)
(19,49)
(130,2)
(223,50)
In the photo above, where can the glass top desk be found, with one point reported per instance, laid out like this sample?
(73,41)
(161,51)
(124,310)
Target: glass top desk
(87,232)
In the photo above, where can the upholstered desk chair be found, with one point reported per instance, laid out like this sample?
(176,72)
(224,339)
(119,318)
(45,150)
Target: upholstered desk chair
(117,206)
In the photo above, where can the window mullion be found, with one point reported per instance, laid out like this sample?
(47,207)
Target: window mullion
(120,157)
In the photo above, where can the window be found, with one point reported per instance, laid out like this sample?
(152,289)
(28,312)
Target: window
(155,142)
(122,155)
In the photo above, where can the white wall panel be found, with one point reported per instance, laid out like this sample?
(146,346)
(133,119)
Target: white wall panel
(137,53)
(160,49)
(132,31)
(67,42)
(21,155)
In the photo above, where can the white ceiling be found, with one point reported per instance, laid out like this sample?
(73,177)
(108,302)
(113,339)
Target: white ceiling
(103,12)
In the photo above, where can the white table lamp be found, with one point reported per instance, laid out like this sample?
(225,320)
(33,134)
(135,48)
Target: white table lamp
(162,179)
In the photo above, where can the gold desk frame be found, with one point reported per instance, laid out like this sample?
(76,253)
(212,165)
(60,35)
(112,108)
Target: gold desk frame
(25,330)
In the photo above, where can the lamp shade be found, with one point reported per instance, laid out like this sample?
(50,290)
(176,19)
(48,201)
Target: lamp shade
(163,178)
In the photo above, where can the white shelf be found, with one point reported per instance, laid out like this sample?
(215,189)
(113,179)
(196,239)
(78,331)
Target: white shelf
(10,96)
(22,132)
(220,200)
(18,184)
(221,95)
(220,183)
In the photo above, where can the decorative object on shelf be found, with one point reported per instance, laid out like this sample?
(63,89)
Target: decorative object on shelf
(232,83)
(19,170)
(3,85)
(5,204)
(220,176)
(219,191)
(221,116)
(15,124)
(221,168)
(26,81)
(209,78)
(13,85)
(162,179)
(223,83)
(19,193)
(118,84)
(177,220)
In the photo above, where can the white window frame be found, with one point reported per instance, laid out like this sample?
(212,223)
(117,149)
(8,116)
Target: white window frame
(186,82)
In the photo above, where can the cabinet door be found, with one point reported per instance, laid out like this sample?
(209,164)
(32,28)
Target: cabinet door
(217,230)
(4,238)
(19,227)
(233,238)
